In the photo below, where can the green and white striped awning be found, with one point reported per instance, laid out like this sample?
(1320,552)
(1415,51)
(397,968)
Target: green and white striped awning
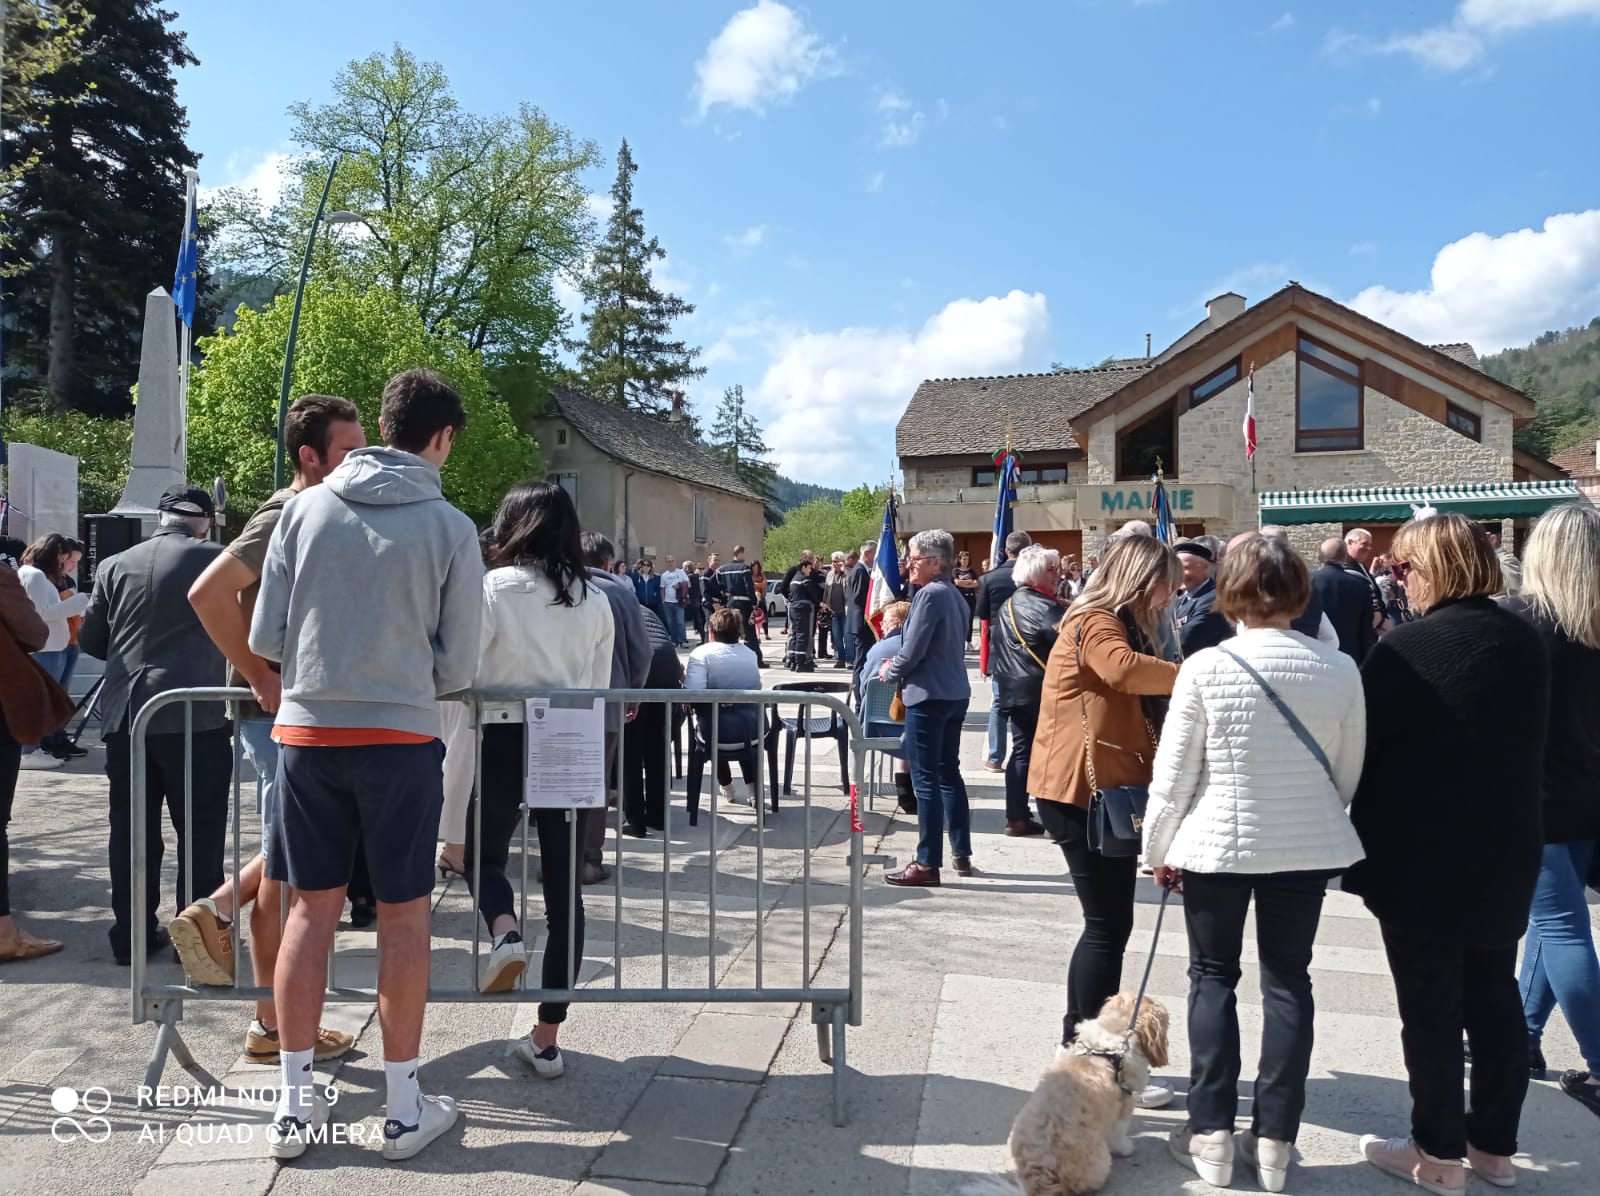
(1393,504)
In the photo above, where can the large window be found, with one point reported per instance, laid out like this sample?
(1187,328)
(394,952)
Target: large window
(1150,442)
(1212,384)
(1327,400)
(1028,475)
(1463,421)
(702,518)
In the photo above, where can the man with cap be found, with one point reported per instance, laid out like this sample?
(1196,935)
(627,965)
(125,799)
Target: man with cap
(140,623)
(1199,626)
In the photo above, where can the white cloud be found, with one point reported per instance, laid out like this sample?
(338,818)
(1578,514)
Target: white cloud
(830,399)
(1496,291)
(748,241)
(264,174)
(600,206)
(1463,40)
(1286,21)
(875,182)
(764,55)
(1446,48)
(1497,16)
(900,120)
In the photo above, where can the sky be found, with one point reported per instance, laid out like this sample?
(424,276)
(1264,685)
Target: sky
(859,196)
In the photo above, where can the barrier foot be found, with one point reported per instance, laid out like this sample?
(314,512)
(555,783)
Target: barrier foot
(169,1039)
(840,1020)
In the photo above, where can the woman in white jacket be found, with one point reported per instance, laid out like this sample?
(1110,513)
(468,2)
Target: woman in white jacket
(1258,761)
(544,626)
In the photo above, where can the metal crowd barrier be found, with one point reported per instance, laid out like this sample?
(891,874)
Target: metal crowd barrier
(832,1008)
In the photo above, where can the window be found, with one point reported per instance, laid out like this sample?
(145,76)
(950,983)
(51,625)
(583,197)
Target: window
(1150,442)
(1463,421)
(561,436)
(1212,383)
(1042,475)
(1328,399)
(702,519)
(983,477)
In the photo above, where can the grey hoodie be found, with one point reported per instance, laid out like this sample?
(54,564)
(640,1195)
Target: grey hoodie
(371,597)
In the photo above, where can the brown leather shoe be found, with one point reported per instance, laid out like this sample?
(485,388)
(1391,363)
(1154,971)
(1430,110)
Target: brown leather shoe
(914,876)
(1021,828)
(963,865)
(27,946)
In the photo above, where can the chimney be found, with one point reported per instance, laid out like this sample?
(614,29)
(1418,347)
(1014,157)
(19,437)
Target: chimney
(1224,308)
(676,418)
(1147,346)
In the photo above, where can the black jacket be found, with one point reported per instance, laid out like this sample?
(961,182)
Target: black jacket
(802,587)
(1199,624)
(737,583)
(1017,665)
(1347,601)
(994,587)
(1572,750)
(711,595)
(1448,808)
(666,670)
(857,585)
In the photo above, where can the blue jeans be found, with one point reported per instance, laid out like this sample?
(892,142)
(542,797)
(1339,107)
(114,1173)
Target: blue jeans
(933,750)
(53,663)
(1558,959)
(997,725)
(255,739)
(844,640)
(675,623)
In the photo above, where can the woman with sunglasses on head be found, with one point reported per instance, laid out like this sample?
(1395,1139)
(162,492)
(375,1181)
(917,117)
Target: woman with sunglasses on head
(1448,811)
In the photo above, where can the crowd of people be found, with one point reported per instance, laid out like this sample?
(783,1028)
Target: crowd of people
(1422,725)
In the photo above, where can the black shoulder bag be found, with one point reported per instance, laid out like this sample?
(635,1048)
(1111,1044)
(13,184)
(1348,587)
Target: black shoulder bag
(1116,815)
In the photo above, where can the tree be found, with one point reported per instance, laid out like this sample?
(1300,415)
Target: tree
(628,357)
(96,221)
(351,342)
(39,39)
(102,446)
(736,438)
(825,526)
(467,219)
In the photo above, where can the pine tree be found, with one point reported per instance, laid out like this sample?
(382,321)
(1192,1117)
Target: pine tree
(96,222)
(629,357)
(736,438)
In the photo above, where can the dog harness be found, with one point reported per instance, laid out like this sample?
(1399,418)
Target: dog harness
(1116,1057)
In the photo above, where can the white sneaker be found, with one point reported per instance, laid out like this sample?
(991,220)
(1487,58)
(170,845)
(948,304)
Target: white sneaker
(1404,1159)
(403,1141)
(504,965)
(1210,1156)
(287,1137)
(1153,1096)
(547,1064)
(1270,1158)
(39,761)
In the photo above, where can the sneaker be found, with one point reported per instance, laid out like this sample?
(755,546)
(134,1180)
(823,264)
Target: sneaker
(1496,1169)
(403,1141)
(287,1137)
(1152,1096)
(69,751)
(1210,1156)
(39,761)
(547,1064)
(261,1044)
(1576,1085)
(201,939)
(505,965)
(1270,1158)
(363,912)
(991,766)
(1404,1159)
(594,874)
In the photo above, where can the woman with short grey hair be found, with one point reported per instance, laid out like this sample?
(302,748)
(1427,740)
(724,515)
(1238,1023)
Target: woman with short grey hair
(1021,640)
(1035,565)
(931,670)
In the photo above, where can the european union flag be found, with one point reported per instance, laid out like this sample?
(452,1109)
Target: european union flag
(187,279)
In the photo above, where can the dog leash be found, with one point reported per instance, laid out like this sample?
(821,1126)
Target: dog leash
(1161,912)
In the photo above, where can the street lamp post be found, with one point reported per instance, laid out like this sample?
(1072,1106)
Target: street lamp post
(294,316)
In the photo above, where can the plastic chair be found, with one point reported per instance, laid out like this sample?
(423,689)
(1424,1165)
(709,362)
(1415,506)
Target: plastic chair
(885,736)
(799,721)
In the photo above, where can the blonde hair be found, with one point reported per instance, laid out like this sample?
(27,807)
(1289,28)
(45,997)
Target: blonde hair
(895,614)
(1453,556)
(1128,573)
(1559,568)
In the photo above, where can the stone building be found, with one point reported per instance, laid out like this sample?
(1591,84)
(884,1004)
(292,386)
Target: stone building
(645,483)
(1355,422)
(1582,464)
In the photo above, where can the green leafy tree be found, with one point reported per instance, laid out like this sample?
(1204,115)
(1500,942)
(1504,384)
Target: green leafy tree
(96,218)
(628,356)
(351,342)
(102,446)
(39,40)
(824,526)
(736,438)
(467,219)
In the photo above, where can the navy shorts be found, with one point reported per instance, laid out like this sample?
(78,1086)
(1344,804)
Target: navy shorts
(383,798)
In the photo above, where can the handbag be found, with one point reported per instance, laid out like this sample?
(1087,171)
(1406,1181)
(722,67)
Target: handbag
(1295,725)
(1116,814)
(897,706)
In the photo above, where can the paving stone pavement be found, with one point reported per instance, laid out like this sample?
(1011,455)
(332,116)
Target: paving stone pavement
(963,996)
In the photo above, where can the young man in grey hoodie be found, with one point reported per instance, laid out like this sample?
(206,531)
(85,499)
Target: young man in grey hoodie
(371,599)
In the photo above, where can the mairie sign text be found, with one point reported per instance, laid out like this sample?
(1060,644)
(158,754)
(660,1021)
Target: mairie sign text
(1133,499)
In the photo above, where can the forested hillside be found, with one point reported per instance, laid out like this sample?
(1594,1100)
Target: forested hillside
(1561,372)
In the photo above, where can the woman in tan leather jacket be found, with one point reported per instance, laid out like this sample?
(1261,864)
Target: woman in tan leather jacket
(1105,662)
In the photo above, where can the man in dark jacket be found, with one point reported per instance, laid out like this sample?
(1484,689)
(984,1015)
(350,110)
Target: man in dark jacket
(993,589)
(141,624)
(857,586)
(644,740)
(1346,600)
(738,588)
(1199,626)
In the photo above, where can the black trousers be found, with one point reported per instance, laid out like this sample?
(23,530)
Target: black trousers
(1024,721)
(644,766)
(746,607)
(1288,908)
(500,789)
(10,762)
(1105,887)
(212,762)
(1444,987)
(749,759)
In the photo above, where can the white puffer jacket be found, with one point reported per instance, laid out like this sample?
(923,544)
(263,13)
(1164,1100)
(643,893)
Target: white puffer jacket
(1235,789)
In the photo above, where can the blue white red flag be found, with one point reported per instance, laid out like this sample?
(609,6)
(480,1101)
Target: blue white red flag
(1005,498)
(885,585)
(1163,512)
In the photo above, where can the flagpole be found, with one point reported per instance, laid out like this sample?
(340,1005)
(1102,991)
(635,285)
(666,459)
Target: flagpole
(191,178)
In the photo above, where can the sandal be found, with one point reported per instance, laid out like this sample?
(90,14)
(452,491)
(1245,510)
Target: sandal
(449,867)
(27,946)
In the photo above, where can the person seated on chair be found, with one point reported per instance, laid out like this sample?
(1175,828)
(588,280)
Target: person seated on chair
(724,663)
(894,617)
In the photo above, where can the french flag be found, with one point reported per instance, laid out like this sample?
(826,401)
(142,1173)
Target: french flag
(885,586)
(1250,415)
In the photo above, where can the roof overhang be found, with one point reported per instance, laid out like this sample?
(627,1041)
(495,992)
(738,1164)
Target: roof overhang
(1394,504)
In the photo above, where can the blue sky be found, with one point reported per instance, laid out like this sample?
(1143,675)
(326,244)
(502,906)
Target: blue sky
(861,195)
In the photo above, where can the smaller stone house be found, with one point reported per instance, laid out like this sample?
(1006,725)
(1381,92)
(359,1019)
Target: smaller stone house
(1582,464)
(645,483)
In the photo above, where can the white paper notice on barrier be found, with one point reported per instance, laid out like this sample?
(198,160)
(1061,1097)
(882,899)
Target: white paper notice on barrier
(566,765)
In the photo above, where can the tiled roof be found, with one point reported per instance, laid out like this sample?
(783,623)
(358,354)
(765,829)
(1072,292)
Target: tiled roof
(1464,353)
(645,441)
(1579,460)
(950,416)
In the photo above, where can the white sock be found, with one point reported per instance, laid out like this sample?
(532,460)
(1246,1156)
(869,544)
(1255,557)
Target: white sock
(295,1099)
(405,1098)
